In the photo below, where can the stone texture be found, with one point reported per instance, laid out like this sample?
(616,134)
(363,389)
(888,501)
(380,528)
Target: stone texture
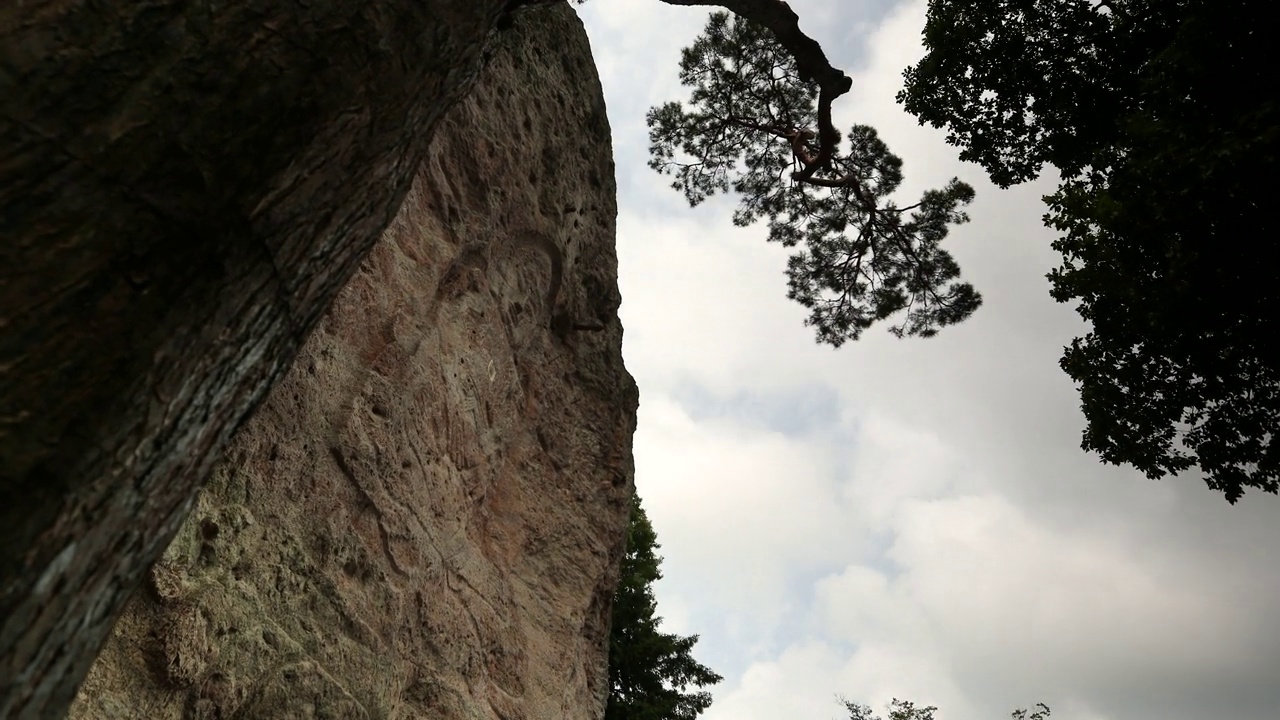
(425,518)
(185,185)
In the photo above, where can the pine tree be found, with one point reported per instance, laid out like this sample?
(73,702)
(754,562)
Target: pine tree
(758,124)
(651,674)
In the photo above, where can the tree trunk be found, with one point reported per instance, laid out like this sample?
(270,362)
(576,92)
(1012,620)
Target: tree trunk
(184,186)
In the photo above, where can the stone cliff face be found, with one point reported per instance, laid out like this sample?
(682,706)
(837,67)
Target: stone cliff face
(425,518)
(185,186)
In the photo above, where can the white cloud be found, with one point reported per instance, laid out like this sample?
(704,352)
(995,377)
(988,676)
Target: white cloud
(745,508)
(898,518)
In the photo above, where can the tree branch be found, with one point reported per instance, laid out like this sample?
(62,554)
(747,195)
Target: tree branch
(811,61)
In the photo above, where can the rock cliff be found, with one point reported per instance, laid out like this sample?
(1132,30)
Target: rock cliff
(185,186)
(425,517)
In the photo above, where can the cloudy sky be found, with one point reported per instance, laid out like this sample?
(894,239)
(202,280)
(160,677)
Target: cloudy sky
(905,518)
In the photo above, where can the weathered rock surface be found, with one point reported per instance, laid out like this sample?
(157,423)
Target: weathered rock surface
(185,185)
(424,519)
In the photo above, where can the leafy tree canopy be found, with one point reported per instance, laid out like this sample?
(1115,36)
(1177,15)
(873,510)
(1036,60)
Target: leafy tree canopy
(758,123)
(652,675)
(1159,117)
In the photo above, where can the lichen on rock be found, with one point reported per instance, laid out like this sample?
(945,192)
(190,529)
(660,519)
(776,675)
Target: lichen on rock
(426,516)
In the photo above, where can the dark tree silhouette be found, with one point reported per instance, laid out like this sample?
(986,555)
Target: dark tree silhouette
(1156,116)
(649,670)
(898,710)
(759,123)
(908,710)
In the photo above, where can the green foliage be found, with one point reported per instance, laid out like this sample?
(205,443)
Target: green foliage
(907,710)
(1021,83)
(649,671)
(898,710)
(1159,117)
(1041,712)
(748,129)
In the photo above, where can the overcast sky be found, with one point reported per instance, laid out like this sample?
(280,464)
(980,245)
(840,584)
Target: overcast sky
(905,518)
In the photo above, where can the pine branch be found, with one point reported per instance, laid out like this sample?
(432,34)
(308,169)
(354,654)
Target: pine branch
(811,61)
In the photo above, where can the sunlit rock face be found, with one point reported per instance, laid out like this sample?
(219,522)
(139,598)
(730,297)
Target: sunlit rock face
(424,519)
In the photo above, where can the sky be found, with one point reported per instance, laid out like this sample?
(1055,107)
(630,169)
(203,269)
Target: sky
(905,518)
